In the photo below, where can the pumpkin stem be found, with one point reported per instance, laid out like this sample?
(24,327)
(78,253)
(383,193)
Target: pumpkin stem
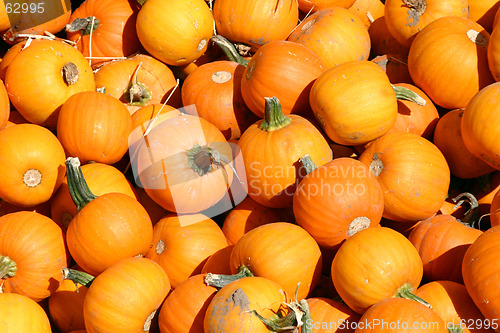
(358,224)
(274,119)
(403,93)
(406,291)
(78,188)
(307,164)
(455,329)
(295,319)
(137,94)
(229,50)
(472,214)
(8,267)
(417,8)
(78,277)
(84,25)
(70,73)
(376,166)
(220,280)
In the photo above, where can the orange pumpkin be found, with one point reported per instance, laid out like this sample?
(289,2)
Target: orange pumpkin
(125,297)
(32,255)
(448,61)
(231,309)
(32,164)
(107,228)
(451,301)
(308,6)
(395,66)
(175,32)
(283,69)
(413,173)
(480,273)
(272,170)
(366,270)
(335,34)
(328,315)
(4,106)
(104,30)
(66,306)
(336,200)
(367,10)
(441,242)
(495,210)
(4,19)
(406,18)
(382,42)
(480,111)
(255,23)
(193,160)
(139,81)
(177,315)
(492,53)
(101,178)
(182,244)
(219,262)
(21,314)
(483,12)
(448,138)
(99,134)
(43,76)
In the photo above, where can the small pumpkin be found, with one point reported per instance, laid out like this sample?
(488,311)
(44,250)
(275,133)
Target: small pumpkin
(367,10)
(43,76)
(382,42)
(32,164)
(328,315)
(22,314)
(483,12)
(395,66)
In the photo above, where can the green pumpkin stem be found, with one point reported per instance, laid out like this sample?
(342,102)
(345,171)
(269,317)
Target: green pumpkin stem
(406,94)
(307,164)
(229,50)
(455,329)
(137,94)
(78,188)
(274,119)
(8,267)
(78,277)
(220,280)
(86,25)
(471,216)
(298,317)
(406,291)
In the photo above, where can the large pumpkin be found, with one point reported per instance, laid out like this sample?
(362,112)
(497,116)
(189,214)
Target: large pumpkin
(448,61)
(43,76)
(175,32)
(413,173)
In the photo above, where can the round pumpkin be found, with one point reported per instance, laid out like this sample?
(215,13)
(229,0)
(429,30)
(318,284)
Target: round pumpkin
(66,306)
(4,106)
(43,76)
(175,32)
(328,315)
(366,270)
(448,61)
(21,314)
(412,172)
(32,164)
(483,12)
(32,255)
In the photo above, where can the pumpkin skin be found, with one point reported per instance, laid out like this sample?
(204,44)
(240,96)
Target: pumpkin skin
(66,306)
(396,68)
(367,10)
(39,255)
(448,61)
(255,23)
(331,316)
(177,315)
(335,34)
(382,42)
(229,310)
(481,274)
(412,172)
(441,242)
(125,296)
(146,114)
(492,53)
(272,170)
(453,304)
(41,156)
(482,110)
(283,69)
(307,6)
(153,80)
(4,19)
(101,178)
(448,138)
(405,19)
(282,252)
(175,32)
(100,134)
(338,199)
(42,77)
(182,244)
(483,12)
(113,34)
(347,118)
(495,210)
(400,315)
(365,270)
(4,106)
(214,89)
(21,314)
(181,189)
(219,262)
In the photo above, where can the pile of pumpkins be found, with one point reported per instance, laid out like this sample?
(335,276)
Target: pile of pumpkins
(251,166)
